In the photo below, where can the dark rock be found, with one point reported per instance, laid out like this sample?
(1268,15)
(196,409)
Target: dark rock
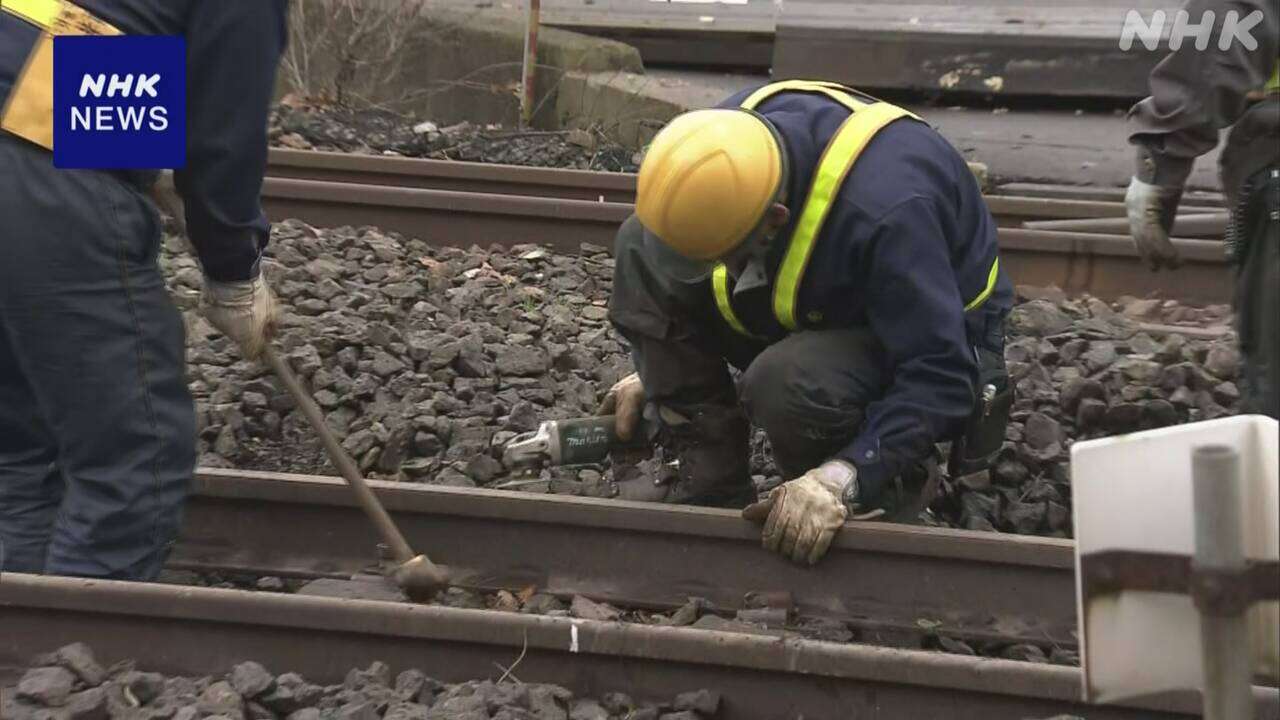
(1146,372)
(587,609)
(703,701)
(1099,356)
(541,604)
(956,647)
(292,693)
(1158,413)
(364,710)
(1039,318)
(1010,472)
(1223,361)
(549,702)
(254,711)
(79,659)
(483,469)
(378,674)
(46,685)
(250,679)
(978,511)
(1026,518)
(522,361)
(270,584)
(587,710)
(461,598)
(221,699)
(1123,418)
(406,711)
(144,686)
(682,715)
(1077,389)
(689,613)
(617,703)
(1024,653)
(1226,394)
(88,705)
(1041,431)
(1090,414)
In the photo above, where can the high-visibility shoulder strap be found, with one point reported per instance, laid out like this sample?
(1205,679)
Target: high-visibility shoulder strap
(837,160)
(992,276)
(720,287)
(40,13)
(1273,85)
(834,91)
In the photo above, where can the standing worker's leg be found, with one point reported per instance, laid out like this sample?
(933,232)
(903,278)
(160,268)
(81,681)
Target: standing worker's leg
(30,486)
(90,322)
(1258,296)
(691,401)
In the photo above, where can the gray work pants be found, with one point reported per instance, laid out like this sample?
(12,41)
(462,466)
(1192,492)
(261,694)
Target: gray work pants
(97,428)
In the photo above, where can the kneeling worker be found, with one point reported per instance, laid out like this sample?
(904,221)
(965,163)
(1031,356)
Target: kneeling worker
(838,251)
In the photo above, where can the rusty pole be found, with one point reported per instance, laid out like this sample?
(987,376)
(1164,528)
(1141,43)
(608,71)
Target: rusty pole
(530,63)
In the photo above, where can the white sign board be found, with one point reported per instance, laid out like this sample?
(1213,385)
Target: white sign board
(1134,492)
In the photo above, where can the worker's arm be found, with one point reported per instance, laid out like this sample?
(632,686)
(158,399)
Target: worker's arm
(915,310)
(1196,93)
(233,49)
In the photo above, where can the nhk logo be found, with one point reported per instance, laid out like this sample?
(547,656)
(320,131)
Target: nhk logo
(1232,27)
(119,102)
(106,117)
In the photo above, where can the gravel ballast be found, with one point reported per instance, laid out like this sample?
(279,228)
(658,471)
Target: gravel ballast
(428,360)
(55,687)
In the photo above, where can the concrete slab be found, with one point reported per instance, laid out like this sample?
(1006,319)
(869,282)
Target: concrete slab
(1089,148)
(1060,50)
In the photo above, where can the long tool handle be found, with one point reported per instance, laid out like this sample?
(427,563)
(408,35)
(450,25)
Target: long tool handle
(341,460)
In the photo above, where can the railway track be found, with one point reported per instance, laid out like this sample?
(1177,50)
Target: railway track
(464,203)
(957,581)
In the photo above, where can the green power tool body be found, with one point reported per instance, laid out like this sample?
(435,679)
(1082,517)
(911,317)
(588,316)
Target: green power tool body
(578,441)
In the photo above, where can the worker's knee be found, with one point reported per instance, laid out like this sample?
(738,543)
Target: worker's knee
(809,392)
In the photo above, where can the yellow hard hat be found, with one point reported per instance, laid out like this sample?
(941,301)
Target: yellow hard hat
(707,179)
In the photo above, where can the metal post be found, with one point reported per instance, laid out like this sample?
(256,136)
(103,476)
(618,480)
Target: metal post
(1219,531)
(527,85)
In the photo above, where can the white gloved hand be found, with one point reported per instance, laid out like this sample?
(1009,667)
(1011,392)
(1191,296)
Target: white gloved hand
(625,400)
(244,311)
(1151,210)
(801,517)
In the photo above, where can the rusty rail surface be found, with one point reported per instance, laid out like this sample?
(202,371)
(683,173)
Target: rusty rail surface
(883,579)
(200,631)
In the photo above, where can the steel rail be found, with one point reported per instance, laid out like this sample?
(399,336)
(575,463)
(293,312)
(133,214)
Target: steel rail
(1104,265)
(201,631)
(892,582)
(1032,202)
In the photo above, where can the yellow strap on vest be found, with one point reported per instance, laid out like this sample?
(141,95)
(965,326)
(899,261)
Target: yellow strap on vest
(834,91)
(40,13)
(837,160)
(992,276)
(1273,85)
(720,284)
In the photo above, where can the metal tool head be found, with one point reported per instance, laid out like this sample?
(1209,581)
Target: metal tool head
(420,578)
(530,452)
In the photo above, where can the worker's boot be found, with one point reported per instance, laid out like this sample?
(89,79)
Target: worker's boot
(906,496)
(709,446)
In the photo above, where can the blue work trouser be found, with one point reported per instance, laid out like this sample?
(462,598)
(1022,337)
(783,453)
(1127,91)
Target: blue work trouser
(97,428)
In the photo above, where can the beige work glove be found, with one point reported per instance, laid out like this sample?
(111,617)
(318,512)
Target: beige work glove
(625,401)
(245,311)
(801,517)
(1152,210)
